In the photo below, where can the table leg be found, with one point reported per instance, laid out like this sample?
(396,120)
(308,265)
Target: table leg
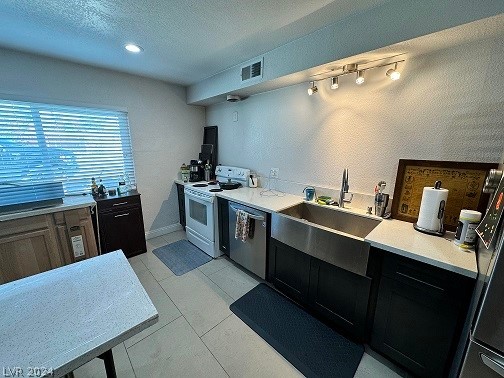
(108,360)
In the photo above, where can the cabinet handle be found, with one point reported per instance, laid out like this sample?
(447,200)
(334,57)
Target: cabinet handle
(417,280)
(121,215)
(120,203)
(494,365)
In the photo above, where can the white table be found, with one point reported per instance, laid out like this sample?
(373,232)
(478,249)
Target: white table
(60,319)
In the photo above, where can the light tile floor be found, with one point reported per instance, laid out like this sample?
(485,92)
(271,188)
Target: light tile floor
(197,335)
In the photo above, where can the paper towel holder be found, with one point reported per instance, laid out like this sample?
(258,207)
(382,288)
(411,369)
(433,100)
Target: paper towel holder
(441,212)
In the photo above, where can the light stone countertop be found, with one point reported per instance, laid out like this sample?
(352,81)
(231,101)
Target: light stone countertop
(67,316)
(402,239)
(69,203)
(267,202)
(391,235)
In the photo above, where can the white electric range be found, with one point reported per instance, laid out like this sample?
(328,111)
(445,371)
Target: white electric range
(201,208)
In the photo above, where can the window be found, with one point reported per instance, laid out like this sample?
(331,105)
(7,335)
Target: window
(46,143)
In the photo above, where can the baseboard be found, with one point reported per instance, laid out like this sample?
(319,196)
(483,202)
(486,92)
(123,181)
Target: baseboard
(163,231)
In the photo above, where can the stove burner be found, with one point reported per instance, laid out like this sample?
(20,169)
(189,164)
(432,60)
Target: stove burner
(199,185)
(212,183)
(215,190)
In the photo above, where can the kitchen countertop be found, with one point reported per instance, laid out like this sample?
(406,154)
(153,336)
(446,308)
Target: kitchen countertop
(65,317)
(402,239)
(268,202)
(391,235)
(69,203)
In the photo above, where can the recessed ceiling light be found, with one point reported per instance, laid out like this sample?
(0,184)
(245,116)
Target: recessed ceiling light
(133,48)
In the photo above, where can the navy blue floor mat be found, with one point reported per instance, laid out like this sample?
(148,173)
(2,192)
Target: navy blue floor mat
(312,347)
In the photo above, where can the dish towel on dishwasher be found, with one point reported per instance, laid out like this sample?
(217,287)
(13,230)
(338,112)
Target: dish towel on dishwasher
(242,225)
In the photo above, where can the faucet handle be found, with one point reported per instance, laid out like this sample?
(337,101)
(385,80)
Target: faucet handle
(347,200)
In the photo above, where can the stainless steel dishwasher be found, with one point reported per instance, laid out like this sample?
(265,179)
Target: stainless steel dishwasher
(250,254)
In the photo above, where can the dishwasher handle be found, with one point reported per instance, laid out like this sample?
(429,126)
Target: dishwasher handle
(251,216)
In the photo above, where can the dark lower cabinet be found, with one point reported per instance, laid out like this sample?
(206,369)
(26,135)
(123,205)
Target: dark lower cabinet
(289,270)
(419,314)
(332,293)
(223,214)
(120,223)
(340,296)
(181,204)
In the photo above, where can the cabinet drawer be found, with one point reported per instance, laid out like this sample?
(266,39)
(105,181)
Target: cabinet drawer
(17,226)
(118,203)
(421,275)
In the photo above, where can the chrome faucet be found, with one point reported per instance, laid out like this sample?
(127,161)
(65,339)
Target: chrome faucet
(344,189)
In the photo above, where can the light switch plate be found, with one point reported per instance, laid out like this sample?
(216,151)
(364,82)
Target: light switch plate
(274,173)
(235,116)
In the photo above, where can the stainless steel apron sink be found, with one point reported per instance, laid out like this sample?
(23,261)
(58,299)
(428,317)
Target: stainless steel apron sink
(329,234)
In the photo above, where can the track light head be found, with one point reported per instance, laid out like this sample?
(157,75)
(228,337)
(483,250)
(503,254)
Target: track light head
(313,89)
(360,77)
(334,82)
(393,73)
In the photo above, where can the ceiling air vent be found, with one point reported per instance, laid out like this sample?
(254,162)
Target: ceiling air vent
(252,71)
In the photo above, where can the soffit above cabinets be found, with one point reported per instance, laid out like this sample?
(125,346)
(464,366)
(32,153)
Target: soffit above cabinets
(386,38)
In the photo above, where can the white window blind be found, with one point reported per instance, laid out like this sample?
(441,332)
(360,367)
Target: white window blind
(47,143)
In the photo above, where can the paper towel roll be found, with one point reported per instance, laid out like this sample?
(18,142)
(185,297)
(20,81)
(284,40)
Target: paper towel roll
(429,208)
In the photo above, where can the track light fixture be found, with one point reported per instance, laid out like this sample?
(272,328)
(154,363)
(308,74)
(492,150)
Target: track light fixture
(352,68)
(393,73)
(360,77)
(334,82)
(313,89)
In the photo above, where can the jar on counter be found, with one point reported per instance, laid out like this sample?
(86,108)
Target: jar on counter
(465,236)
(184,173)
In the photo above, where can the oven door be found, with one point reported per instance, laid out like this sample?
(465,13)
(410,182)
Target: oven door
(199,214)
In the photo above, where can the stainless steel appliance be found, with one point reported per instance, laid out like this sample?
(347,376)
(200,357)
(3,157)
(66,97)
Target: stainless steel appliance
(201,209)
(484,355)
(250,254)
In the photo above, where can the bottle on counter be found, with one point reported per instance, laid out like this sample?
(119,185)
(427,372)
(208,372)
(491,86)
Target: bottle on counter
(94,187)
(102,191)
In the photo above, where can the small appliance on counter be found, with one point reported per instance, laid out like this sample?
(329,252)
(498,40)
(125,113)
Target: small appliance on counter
(195,171)
(253,181)
(432,209)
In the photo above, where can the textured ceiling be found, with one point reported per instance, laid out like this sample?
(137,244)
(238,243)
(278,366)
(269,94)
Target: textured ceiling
(184,40)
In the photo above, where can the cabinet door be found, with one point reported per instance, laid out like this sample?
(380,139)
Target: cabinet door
(414,326)
(122,230)
(26,254)
(223,213)
(181,204)
(289,270)
(340,296)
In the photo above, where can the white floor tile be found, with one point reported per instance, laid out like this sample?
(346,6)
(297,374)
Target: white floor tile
(371,368)
(155,242)
(200,300)
(164,305)
(96,369)
(158,269)
(234,281)
(137,264)
(243,353)
(174,351)
(215,265)
(172,237)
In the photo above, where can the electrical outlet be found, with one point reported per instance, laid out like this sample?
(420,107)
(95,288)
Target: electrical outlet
(274,173)
(235,116)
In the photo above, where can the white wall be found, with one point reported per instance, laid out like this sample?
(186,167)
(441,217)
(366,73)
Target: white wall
(448,105)
(165,131)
